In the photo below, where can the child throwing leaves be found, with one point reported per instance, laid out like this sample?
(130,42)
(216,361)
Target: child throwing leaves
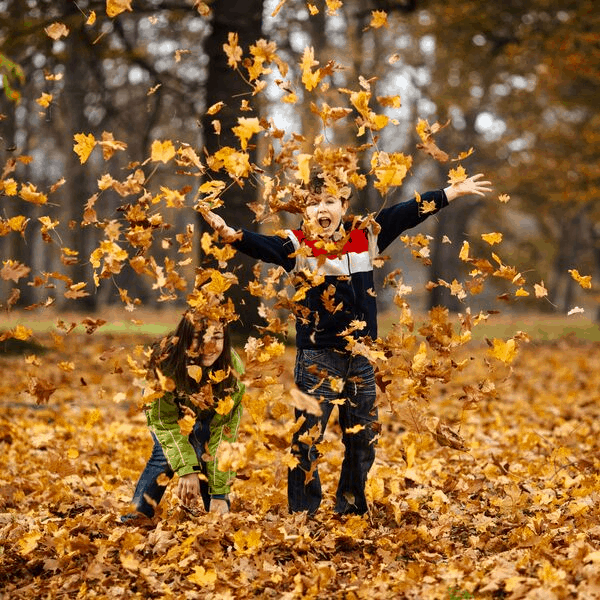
(332,261)
(196,364)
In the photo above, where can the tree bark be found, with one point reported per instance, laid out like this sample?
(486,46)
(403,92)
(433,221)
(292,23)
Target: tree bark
(224,84)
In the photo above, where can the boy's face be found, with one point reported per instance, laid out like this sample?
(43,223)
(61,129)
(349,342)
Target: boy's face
(324,214)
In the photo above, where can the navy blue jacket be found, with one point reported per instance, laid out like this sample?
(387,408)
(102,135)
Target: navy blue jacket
(321,317)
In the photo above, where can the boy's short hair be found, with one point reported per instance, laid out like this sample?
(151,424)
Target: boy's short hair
(320,179)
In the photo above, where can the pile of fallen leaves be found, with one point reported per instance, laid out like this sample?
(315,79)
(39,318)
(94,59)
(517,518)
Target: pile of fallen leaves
(514,516)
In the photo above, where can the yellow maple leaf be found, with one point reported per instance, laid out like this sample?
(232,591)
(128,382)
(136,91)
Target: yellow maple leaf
(18,223)
(333,6)
(20,332)
(29,541)
(218,376)
(173,198)
(457,175)
(504,198)
(9,186)
(232,50)
(44,100)
(464,251)
(521,293)
(504,351)
(162,151)
(91,18)
(116,7)
(491,238)
(585,281)
(245,129)
(83,146)
(202,576)
(218,283)
(309,79)
(390,169)
(237,164)
(56,31)
(378,19)
(303,172)
(224,406)
(29,193)
(246,541)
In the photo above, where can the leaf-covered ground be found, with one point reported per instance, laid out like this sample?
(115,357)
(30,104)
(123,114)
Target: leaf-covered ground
(515,517)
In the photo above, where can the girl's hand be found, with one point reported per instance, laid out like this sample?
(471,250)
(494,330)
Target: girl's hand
(471,185)
(227,234)
(188,488)
(219,506)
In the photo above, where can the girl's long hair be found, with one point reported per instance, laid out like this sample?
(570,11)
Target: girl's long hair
(170,355)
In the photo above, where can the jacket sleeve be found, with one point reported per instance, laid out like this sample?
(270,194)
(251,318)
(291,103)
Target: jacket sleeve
(400,217)
(269,248)
(224,429)
(162,417)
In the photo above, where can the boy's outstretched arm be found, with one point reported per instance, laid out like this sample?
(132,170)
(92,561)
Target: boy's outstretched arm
(471,185)
(227,234)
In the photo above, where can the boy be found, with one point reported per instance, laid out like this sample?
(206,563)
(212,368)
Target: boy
(342,279)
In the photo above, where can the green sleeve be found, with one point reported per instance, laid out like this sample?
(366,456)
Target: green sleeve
(162,420)
(224,428)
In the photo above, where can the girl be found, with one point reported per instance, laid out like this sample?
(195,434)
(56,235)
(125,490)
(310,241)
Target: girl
(198,359)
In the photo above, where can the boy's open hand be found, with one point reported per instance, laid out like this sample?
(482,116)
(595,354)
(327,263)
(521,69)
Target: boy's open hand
(227,234)
(471,185)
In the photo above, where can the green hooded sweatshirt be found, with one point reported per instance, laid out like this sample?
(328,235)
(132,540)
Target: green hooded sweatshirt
(162,416)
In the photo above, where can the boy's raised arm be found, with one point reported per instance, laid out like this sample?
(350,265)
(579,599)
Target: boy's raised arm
(471,185)
(227,234)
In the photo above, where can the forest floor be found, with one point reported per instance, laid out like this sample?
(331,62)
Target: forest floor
(516,516)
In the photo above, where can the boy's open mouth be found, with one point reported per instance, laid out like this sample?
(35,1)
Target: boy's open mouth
(324,223)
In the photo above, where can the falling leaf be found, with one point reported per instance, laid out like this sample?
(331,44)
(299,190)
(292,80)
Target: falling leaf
(575,310)
(84,146)
(56,31)
(232,50)
(457,175)
(504,351)
(110,145)
(162,151)
(540,290)
(585,281)
(13,270)
(195,372)
(116,7)
(491,238)
(91,18)
(215,108)
(504,198)
(245,129)
(44,100)
(378,19)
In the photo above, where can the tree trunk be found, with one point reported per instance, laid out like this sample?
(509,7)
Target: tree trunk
(224,84)
(569,246)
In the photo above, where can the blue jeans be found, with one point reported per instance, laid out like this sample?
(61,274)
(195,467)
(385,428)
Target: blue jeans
(312,374)
(148,492)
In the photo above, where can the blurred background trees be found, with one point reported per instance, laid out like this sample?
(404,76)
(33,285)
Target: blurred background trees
(516,81)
